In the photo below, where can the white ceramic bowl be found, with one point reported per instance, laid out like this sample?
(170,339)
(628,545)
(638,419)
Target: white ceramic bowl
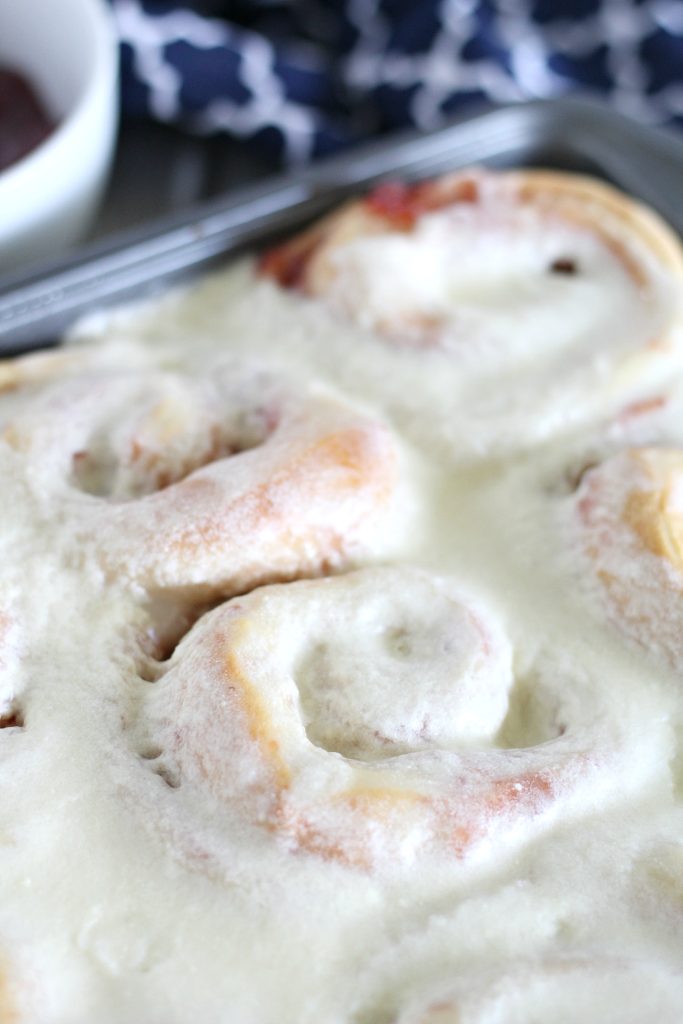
(68,50)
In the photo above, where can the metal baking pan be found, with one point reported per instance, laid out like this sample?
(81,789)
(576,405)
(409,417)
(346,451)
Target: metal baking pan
(568,134)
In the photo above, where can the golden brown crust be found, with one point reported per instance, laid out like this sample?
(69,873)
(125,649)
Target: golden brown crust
(650,513)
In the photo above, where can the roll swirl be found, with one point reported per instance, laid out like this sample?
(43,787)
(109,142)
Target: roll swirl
(212,483)
(361,719)
(625,518)
(523,302)
(460,262)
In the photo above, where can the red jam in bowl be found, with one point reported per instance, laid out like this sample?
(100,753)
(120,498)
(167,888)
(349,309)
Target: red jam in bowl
(24,122)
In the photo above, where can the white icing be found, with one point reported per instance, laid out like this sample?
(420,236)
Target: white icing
(134,886)
(485,276)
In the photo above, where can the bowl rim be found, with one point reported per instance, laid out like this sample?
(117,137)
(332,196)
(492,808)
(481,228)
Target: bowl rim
(103,77)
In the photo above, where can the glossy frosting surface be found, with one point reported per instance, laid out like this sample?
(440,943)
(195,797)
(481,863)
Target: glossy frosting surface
(340,674)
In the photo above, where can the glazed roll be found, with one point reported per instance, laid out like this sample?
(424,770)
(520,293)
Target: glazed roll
(370,720)
(212,483)
(541,298)
(340,628)
(625,520)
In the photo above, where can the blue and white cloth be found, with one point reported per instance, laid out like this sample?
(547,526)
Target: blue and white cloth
(300,78)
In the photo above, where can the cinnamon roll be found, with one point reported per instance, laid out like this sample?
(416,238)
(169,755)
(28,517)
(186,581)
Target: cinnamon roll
(626,519)
(630,514)
(212,483)
(308,584)
(541,299)
(361,719)
(509,264)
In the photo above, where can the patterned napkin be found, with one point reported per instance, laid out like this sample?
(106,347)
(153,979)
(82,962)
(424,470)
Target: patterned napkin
(299,78)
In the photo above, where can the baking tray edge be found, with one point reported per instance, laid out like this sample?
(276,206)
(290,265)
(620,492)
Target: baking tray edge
(581,134)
